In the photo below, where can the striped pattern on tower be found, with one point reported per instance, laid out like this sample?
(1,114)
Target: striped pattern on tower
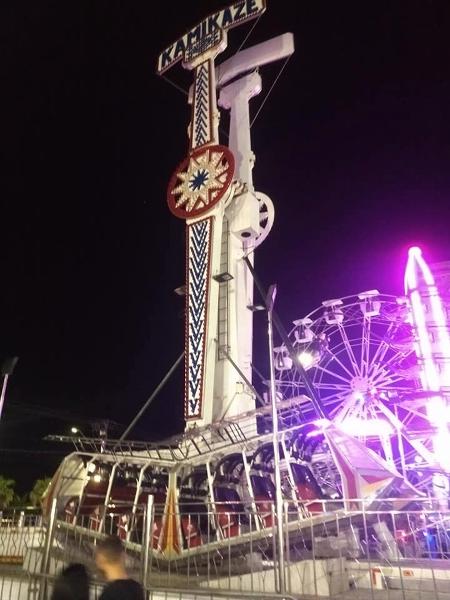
(201,130)
(197,278)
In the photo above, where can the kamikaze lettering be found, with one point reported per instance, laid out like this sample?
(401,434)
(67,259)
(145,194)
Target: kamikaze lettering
(222,20)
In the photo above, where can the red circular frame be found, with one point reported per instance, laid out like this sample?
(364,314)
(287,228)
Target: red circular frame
(174,182)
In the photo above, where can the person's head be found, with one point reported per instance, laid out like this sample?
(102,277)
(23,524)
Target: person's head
(72,584)
(109,556)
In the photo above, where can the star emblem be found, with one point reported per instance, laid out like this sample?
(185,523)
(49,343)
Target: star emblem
(200,181)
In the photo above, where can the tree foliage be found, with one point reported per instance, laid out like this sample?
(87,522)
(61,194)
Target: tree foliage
(39,488)
(6,491)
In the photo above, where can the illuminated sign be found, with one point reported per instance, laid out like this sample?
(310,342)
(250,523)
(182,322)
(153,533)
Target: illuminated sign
(207,34)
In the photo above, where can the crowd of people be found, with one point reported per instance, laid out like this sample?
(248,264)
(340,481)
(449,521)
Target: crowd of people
(73,582)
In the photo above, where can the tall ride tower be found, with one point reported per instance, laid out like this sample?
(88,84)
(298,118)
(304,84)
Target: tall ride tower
(212,190)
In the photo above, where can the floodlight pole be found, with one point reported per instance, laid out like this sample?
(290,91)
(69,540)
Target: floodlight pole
(270,301)
(2,397)
(7,369)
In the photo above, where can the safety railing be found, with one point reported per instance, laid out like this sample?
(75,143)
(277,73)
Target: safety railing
(19,530)
(390,549)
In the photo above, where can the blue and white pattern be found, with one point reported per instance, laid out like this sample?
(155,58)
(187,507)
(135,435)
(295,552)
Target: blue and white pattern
(198,248)
(201,131)
(203,45)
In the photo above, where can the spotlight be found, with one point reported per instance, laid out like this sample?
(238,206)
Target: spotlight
(223,277)
(77,431)
(310,354)
(308,359)
(180,291)
(256,307)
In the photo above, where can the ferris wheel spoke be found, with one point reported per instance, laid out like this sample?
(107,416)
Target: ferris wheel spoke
(396,388)
(349,349)
(334,411)
(332,386)
(383,348)
(346,408)
(365,346)
(379,366)
(389,385)
(378,356)
(387,380)
(377,363)
(281,383)
(332,398)
(335,375)
(385,372)
(373,412)
(398,354)
(340,363)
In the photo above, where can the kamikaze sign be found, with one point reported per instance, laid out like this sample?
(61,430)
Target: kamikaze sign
(209,29)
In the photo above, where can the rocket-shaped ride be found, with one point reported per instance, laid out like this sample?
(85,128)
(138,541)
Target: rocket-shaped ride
(431,326)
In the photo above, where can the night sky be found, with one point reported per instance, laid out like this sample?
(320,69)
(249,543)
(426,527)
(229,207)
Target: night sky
(352,145)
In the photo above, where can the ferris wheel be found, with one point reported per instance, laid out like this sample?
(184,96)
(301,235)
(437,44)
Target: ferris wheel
(358,352)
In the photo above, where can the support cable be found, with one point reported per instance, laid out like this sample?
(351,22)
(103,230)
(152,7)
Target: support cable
(248,35)
(153,395)
(175,85)
(266,97)
(246,380)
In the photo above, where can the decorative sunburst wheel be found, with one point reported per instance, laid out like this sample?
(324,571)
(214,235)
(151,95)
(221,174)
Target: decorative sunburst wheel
(200,181)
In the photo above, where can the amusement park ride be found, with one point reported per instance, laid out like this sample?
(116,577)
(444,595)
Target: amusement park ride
(362,383)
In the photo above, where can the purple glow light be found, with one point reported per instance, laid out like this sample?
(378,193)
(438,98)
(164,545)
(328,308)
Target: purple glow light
(433,378)
(321,425)
(356,427)
(366,427)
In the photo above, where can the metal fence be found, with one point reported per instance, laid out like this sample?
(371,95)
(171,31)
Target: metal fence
(20,530)
(329,550)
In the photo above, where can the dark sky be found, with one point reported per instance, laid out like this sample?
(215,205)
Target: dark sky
(352,146)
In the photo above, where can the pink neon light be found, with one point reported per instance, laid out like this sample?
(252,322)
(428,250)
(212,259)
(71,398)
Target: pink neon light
(415,251)
(432,379)
(351,424)
(439,317)
(429,375)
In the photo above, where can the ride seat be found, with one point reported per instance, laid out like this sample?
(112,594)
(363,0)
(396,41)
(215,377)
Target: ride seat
(307,488)
(230,511)
(264,494)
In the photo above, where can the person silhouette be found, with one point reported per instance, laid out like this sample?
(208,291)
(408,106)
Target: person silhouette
(110,559)
(72,583)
